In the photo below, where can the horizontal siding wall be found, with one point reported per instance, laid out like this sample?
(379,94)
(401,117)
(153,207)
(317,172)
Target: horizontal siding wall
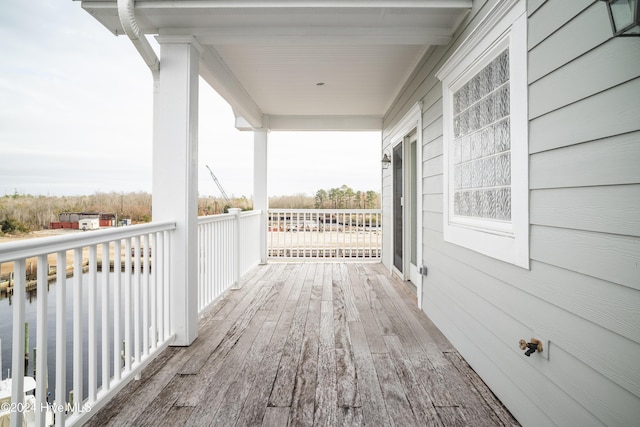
(582,291)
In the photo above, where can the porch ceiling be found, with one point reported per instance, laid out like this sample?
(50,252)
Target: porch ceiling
(268,57)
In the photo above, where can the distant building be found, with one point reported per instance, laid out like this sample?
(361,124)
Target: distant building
(89,224)
(75,220)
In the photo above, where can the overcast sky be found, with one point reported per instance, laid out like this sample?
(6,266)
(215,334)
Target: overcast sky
(76,118)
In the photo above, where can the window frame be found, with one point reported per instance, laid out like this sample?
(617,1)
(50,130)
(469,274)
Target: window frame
(504,27)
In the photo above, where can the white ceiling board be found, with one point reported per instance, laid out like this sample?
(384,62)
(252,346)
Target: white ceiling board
(358,80)
(266,57)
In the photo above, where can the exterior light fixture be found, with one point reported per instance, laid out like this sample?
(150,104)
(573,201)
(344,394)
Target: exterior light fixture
(386,161)
(625,17)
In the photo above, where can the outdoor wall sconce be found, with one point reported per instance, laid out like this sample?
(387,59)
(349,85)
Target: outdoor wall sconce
(386,161)
(624,16)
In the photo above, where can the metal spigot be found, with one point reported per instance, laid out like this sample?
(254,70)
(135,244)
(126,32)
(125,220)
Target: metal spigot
(530,347)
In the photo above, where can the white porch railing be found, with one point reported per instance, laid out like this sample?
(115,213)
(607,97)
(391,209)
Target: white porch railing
(119,321)
(325,233)
(228,247)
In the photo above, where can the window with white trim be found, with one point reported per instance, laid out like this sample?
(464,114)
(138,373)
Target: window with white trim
(481,144)
(485,138)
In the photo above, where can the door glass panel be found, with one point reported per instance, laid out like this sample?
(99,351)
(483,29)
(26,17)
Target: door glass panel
(397,207)
(414,202)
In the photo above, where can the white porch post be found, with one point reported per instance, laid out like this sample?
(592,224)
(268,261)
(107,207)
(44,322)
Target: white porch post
(175,177)
(260,198)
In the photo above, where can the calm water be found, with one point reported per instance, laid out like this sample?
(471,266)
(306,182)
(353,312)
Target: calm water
(6,331)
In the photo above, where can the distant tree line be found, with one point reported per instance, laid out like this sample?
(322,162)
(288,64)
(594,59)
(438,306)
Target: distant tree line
(346,198)
(22,213)
(343,197)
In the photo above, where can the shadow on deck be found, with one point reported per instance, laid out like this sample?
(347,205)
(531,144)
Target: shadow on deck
(327,344)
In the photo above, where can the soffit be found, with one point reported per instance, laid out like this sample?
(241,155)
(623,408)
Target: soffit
(275,52)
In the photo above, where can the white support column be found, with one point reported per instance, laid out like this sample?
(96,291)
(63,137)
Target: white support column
(175,176)
(260,198)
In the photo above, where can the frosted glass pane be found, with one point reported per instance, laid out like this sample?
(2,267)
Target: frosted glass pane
(488,141)
(503,169)
(465,149)
(486,83)
(502,136)
(503,204)
(474,118)
(476,174)
(474,90)
(501,69)
(489,204)
(464,97)
(466,175)
(460,100)
(464,122)
(475,208)
(457,151)
(482,144)
(488,172)
(465,203)
(476,145)
(487,111)
(502,102)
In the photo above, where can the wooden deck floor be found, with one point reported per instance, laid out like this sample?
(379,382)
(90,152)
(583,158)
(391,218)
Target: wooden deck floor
(327,344)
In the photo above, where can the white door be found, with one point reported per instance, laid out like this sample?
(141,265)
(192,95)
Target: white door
(406,209)
(398,209)
(412,209)
(406,203)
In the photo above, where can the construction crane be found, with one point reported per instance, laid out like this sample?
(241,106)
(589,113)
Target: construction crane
(226,198)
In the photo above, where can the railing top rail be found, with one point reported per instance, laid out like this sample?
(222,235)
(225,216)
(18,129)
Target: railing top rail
(251,213)
(226,216)
(365,211)
(11,251)
(214,218)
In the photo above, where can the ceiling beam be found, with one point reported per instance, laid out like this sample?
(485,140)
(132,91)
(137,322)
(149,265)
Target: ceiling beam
(265,36)
(151,12)
(215,72)
(325,123)
(307,4)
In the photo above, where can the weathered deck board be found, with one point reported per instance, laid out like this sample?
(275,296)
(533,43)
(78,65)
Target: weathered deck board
(310,344)
(347,385)
(382,319)
(276,417)
(255,404)
(326,402)
(481,388)
(282,392)
(230,406)
(420,401)
(371,328)
(304,392)
(410,301)
(233,344)
(393,395)
(224,320)
(373,404)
